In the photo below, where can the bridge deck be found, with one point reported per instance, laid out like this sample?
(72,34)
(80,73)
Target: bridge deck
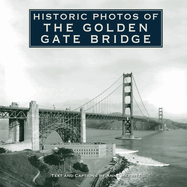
(21,112)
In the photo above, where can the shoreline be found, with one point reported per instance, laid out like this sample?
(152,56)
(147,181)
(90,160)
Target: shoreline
(136,172)
(133,173)
(96,166)
(139,160)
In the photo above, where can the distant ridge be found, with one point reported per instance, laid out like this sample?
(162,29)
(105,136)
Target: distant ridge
(142,123)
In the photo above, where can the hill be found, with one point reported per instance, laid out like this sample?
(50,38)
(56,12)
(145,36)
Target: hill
(174,125)
(139,124)
(15,170)
(114,124)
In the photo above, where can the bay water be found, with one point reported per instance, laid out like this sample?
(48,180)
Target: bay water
(169,147)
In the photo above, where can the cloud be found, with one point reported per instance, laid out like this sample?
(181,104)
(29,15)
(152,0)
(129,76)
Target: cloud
(72,76)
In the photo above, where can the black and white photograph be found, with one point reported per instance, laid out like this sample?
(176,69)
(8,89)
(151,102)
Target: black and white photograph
(93,93)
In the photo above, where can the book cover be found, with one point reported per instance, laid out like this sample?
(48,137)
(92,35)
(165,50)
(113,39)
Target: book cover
(75,75)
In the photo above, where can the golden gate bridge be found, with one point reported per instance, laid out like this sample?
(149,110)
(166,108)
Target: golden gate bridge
(114,103)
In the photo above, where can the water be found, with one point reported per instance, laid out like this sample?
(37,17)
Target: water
(169,147)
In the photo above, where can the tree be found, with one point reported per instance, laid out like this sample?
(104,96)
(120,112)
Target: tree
(59,157)
(36,162)
(51,182)
(69,154)
(62,154)
(81,167)
(2,150)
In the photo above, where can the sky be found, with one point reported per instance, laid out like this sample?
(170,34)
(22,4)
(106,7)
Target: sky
(71,77)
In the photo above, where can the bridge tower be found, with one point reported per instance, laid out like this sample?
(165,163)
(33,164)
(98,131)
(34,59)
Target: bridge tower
(160,118)
(83,125)
(127,123)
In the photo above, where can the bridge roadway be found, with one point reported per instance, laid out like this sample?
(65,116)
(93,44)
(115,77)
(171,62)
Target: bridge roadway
(21,113)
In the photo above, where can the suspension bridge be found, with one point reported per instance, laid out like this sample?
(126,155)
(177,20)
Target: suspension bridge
(35,123)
